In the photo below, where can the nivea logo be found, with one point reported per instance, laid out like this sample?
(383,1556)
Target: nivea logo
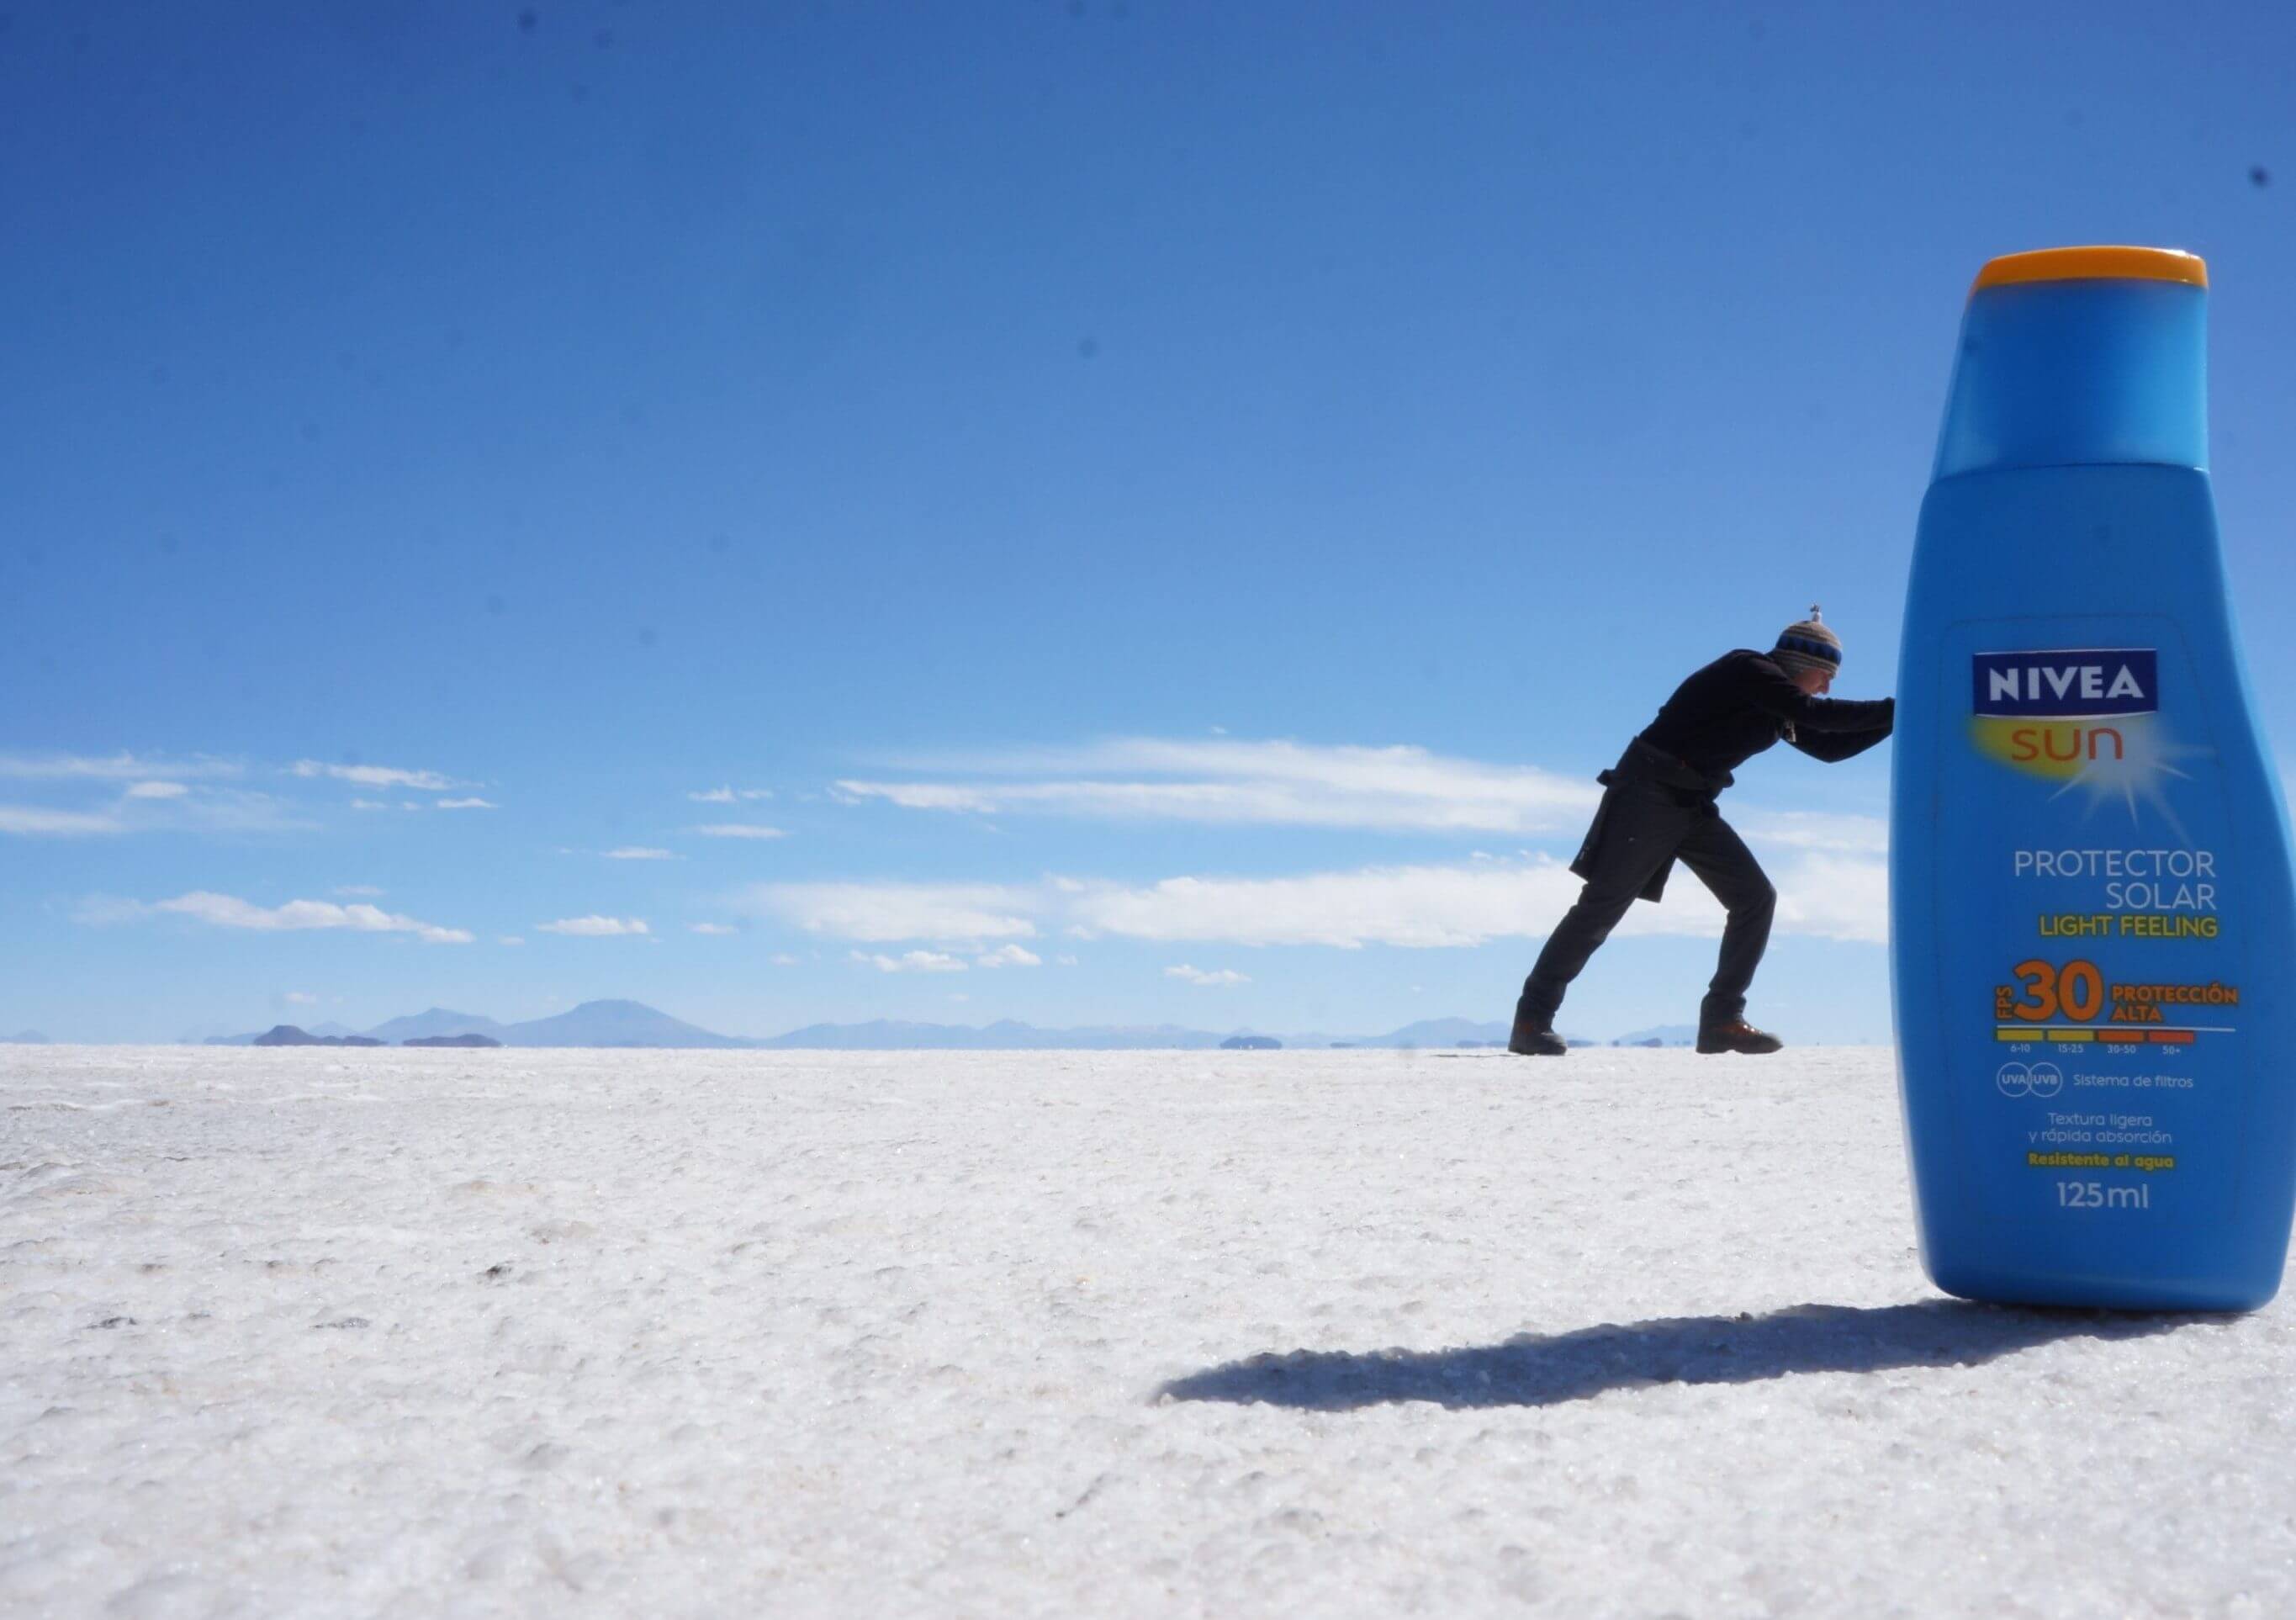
(2076,682)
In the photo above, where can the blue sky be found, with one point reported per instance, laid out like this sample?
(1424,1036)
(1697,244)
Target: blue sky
(1094,490)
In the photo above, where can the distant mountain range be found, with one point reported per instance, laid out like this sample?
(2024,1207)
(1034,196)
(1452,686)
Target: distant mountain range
(437,1021)
(594,1023)
(632,1023)
(287,1035)
(1661,1034)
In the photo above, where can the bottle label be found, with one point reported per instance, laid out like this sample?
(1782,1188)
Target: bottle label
(2089,857)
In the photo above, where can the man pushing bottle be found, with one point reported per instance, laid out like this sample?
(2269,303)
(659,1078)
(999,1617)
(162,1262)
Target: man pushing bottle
(1659,807)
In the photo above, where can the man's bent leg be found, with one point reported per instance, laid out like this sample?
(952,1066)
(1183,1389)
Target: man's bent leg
(1727,866)
(1640,837)
(1577,937)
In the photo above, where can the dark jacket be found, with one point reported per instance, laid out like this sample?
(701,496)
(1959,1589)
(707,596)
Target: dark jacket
(1741,704)
(1718,720)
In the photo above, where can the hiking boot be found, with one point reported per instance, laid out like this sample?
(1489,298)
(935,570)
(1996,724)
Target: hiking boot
(1738,1036)
(1531,1039)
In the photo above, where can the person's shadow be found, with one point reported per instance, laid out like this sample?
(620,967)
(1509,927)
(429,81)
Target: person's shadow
(1546,1369)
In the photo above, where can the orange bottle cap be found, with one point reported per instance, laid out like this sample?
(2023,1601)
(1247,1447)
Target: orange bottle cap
(2093,264)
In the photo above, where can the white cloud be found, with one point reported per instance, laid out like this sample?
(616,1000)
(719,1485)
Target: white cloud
(228,911)
(1815,830)
(375,775)
(1009,956)
(1419,905)
(784,959)
(357,891)
(637,852)
(928,795)
(1206,975)
(737,829)
(154,795)
(727,795)
(1835,897)
(1828,896)
(152,806)
(118,768)
(302,997)
(713,928)
(595,926)
(1390,789)
(511,939)
(1466,903)
(467,804)
(913,961)
(33,821)
(897,911)
(369,804)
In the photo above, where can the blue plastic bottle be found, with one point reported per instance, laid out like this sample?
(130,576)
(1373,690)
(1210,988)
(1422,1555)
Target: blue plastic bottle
(2093,928)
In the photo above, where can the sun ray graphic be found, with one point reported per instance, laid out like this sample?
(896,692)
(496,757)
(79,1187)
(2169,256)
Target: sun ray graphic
(2137,771)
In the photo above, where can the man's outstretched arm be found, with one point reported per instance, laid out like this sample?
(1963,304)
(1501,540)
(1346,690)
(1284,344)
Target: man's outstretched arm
(1769,689)
(1834,746)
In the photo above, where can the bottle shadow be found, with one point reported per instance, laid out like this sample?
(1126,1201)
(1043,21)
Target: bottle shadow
(1548,1369)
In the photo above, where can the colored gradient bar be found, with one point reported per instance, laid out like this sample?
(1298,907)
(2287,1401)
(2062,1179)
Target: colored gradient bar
(2042,1032)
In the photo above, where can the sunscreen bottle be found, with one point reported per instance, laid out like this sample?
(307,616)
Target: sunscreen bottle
(2093,933)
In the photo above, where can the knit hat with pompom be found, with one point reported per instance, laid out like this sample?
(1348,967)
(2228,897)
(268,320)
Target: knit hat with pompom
(1810,644)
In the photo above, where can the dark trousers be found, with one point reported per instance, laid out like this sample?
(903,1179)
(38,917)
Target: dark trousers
(1644,827)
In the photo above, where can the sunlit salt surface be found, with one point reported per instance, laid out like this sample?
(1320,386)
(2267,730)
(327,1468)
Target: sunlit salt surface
(325,1332)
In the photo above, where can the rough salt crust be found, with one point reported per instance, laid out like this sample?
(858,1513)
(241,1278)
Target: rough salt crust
(321,1333)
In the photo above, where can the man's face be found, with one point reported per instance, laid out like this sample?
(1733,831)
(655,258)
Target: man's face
(1815,683)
